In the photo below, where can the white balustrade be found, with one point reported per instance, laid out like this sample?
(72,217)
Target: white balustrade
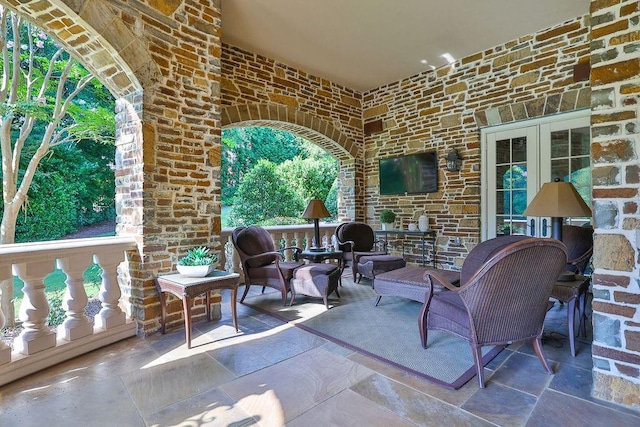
(38,346)
(36,334)
(76,324)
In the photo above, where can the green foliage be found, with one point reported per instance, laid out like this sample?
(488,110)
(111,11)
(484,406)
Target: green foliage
(312,177)
(264,194)
(331,202)
(387,216)
(74,183)
(56,312)
(242,148)
(198,256)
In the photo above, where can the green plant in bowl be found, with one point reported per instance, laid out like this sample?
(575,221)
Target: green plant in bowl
(198,262)
(387,216)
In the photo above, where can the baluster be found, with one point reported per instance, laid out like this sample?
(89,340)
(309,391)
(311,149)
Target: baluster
(230,263)
(5,278)
(76,324)
(110,315)
(36,335)
(287,253)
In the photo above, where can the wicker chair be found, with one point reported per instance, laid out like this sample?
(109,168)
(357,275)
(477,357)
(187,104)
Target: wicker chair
(356,239)
(262,262)
(504,301)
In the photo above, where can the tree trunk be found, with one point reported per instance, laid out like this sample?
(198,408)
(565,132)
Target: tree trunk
(7,235)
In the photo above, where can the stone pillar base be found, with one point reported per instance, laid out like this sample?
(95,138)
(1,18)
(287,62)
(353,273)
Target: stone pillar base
(5,355)
(30,345)
(75,332)
(110,320)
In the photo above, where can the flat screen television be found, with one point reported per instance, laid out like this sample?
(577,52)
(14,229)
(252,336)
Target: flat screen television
(411,174)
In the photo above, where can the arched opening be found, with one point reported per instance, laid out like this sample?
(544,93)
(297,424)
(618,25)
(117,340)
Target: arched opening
(313,129)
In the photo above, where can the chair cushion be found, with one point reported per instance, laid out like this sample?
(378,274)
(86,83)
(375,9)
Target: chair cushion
(256,240)
(270,271)
(448,311)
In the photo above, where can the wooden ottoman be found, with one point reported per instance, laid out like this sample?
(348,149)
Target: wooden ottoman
(408,282)
(315,280)
(371,265)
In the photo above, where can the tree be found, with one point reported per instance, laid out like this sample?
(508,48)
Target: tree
(40,82)
(242,148)
(264,194)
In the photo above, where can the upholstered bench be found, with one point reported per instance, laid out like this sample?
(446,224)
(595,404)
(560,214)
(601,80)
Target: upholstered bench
(408,282)
(315,280)
(371,265)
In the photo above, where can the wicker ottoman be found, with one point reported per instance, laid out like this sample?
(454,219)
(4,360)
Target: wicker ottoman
(408,282)
(315,280)
(371,265)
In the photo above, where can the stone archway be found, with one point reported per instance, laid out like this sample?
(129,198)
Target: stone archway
(313,129)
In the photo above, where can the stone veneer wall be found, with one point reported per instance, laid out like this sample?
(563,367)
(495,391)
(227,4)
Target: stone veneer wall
(615,83)
(443,109)
(257,91)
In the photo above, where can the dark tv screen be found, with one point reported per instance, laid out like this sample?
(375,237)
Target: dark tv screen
(412,174)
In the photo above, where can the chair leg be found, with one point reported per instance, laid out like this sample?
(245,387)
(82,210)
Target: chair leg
(477,357)
(422,325)
(378,300)
(537,346)
(246,291)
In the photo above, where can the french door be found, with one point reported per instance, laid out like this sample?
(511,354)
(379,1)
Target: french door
(518,158)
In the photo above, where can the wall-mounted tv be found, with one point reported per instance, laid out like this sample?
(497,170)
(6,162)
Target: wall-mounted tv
(411,174)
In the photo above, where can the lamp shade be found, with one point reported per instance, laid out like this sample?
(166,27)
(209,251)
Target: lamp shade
(557,199)
(315,209)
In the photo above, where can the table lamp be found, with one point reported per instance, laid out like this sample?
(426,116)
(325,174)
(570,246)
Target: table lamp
(316,210)
(557,199)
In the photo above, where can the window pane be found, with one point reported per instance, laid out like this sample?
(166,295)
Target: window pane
(519,201)
(580,141)
(519,176)
(503,151)
(500,195)
(559,144)
(503,175)
(560,169)
(519,149)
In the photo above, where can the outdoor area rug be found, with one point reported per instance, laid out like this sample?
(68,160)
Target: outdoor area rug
(388,332)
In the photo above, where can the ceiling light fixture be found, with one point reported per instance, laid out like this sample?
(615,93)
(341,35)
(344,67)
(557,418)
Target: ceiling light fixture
(448,57)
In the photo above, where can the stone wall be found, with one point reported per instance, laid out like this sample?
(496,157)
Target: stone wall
(257,91)
(615,82)
(443,109)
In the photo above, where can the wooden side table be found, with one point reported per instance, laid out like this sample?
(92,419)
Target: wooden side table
(187,288)
(569,292)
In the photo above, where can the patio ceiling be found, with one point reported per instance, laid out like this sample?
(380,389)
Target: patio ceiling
(364,44)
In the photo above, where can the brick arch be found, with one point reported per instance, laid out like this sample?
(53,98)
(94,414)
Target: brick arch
(313,129)
(115,57)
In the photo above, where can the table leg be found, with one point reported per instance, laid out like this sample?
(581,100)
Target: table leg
(208,301)
(234,314)
(571,311)
(186,304)
(163,309)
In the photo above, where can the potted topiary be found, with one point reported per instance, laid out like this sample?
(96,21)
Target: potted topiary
(387,218)
(197,263)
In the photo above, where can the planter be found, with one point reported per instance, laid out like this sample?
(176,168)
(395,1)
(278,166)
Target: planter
(387,226)
(195,270)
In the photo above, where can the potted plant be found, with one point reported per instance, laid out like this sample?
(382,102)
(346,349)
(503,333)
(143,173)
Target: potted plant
(387,218)
(197,263)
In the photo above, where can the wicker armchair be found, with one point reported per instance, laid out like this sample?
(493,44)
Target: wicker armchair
(504,301)
(261,261)
(356,239)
